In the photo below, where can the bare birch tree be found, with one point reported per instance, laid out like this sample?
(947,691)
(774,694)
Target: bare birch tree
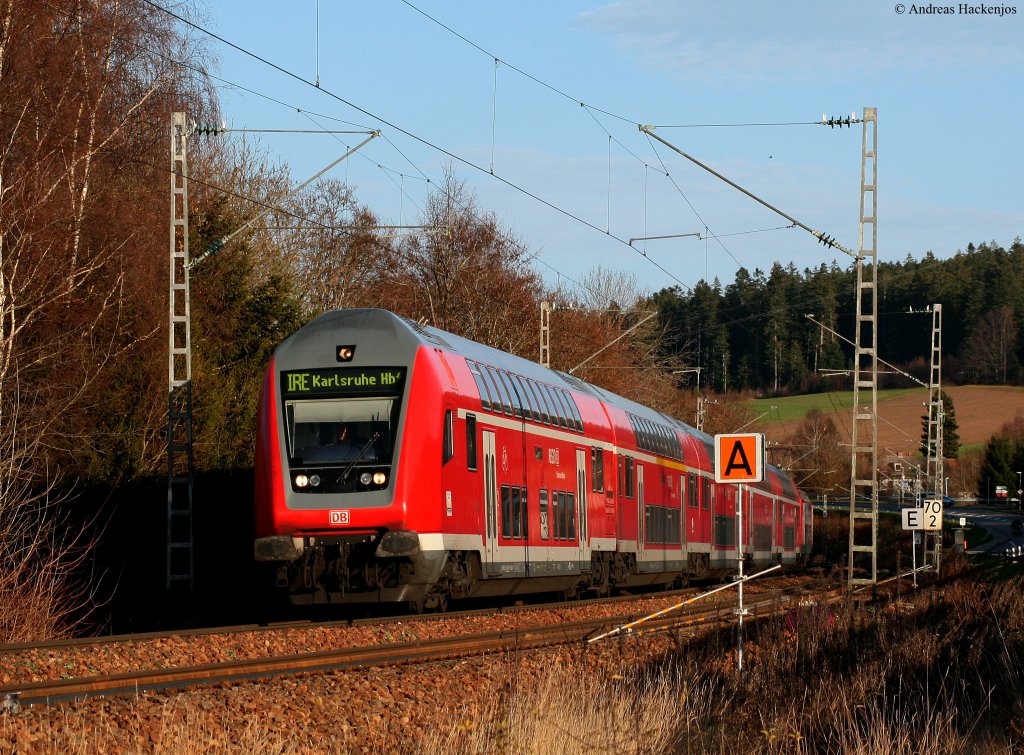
(86,89)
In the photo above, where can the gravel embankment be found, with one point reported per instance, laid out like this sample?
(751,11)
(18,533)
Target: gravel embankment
(373,709)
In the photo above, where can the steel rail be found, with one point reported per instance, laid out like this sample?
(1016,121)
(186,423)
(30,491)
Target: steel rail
(64,690)
(270,626)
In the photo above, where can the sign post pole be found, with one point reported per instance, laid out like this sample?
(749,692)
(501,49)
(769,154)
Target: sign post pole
(740,458)
(913,555)
(739,559)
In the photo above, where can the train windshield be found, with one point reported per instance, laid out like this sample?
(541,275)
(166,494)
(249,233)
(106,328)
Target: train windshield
(341,430)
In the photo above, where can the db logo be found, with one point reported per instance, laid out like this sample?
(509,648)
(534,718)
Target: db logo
(338,518)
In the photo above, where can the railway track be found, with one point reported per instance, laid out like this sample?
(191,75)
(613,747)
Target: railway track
(420,650)
(273,626)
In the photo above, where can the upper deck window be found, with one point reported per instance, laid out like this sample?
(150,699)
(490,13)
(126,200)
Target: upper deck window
(509,393)
(481,385)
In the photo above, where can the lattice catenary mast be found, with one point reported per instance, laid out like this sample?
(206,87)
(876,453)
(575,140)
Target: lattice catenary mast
(864,442)
(180,557)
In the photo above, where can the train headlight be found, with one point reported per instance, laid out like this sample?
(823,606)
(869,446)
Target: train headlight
(365,478)
(379,478)
(314,480)
(301,481)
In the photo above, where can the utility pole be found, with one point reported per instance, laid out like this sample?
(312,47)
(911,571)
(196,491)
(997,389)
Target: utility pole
(864,428)
(180,558)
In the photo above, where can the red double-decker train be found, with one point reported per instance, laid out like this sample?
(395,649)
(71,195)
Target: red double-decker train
(396,462)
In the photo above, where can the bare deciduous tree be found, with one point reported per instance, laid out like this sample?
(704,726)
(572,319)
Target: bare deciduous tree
(466,274)
(86,88)
(990,352)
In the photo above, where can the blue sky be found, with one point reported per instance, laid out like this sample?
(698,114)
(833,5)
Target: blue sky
(948,89)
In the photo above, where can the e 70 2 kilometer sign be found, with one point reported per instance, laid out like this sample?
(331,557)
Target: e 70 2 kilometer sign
(927,517)
(739,457)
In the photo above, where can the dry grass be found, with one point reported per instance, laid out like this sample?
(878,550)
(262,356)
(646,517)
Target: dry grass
(936,672)
(179,727)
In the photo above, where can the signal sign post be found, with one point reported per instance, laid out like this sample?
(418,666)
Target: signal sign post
(928,518)
(739,458)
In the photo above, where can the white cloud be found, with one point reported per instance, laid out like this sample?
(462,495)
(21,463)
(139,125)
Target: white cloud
(754,40)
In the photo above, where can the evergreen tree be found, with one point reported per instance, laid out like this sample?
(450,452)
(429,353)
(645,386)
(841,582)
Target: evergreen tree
(997,468)
(950,428)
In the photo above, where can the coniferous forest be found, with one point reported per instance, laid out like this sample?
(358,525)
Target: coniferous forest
(755,333)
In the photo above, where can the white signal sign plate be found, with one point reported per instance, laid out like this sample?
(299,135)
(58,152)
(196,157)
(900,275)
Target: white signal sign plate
(739,457)
(912,519)
(932,519)
(927,517)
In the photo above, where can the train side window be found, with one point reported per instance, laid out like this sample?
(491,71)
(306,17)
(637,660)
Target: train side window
(524,402)
(597,468)
(538,402)
(471,442)
(570,505)
(644,435)
(543,514)
(496,392)
(630,477)
(566,400)
(563,512)
(506,402)
(705,502)
(449,438)
(555,516)
(575,411)
(557,420)
(517,512)
(691,491)
(530,410)
(554,411)
(506,511)
(481,386)
(517,405)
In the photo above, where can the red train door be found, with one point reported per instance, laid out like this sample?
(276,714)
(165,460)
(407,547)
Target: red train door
(581,506)
(641,551)
(490,504)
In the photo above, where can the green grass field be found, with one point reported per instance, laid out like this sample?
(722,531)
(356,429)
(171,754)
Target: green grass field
(786,408)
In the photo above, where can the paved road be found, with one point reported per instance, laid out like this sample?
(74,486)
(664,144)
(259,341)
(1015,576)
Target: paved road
(997,520)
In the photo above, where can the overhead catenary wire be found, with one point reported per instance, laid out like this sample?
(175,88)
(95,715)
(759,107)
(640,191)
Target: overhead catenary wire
(456,157)
(453,155)
(589,108)
(462,160)
(828,241)
(823,238)
(301,111)
(308,113)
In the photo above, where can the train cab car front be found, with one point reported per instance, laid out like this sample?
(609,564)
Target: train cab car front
(333,516)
